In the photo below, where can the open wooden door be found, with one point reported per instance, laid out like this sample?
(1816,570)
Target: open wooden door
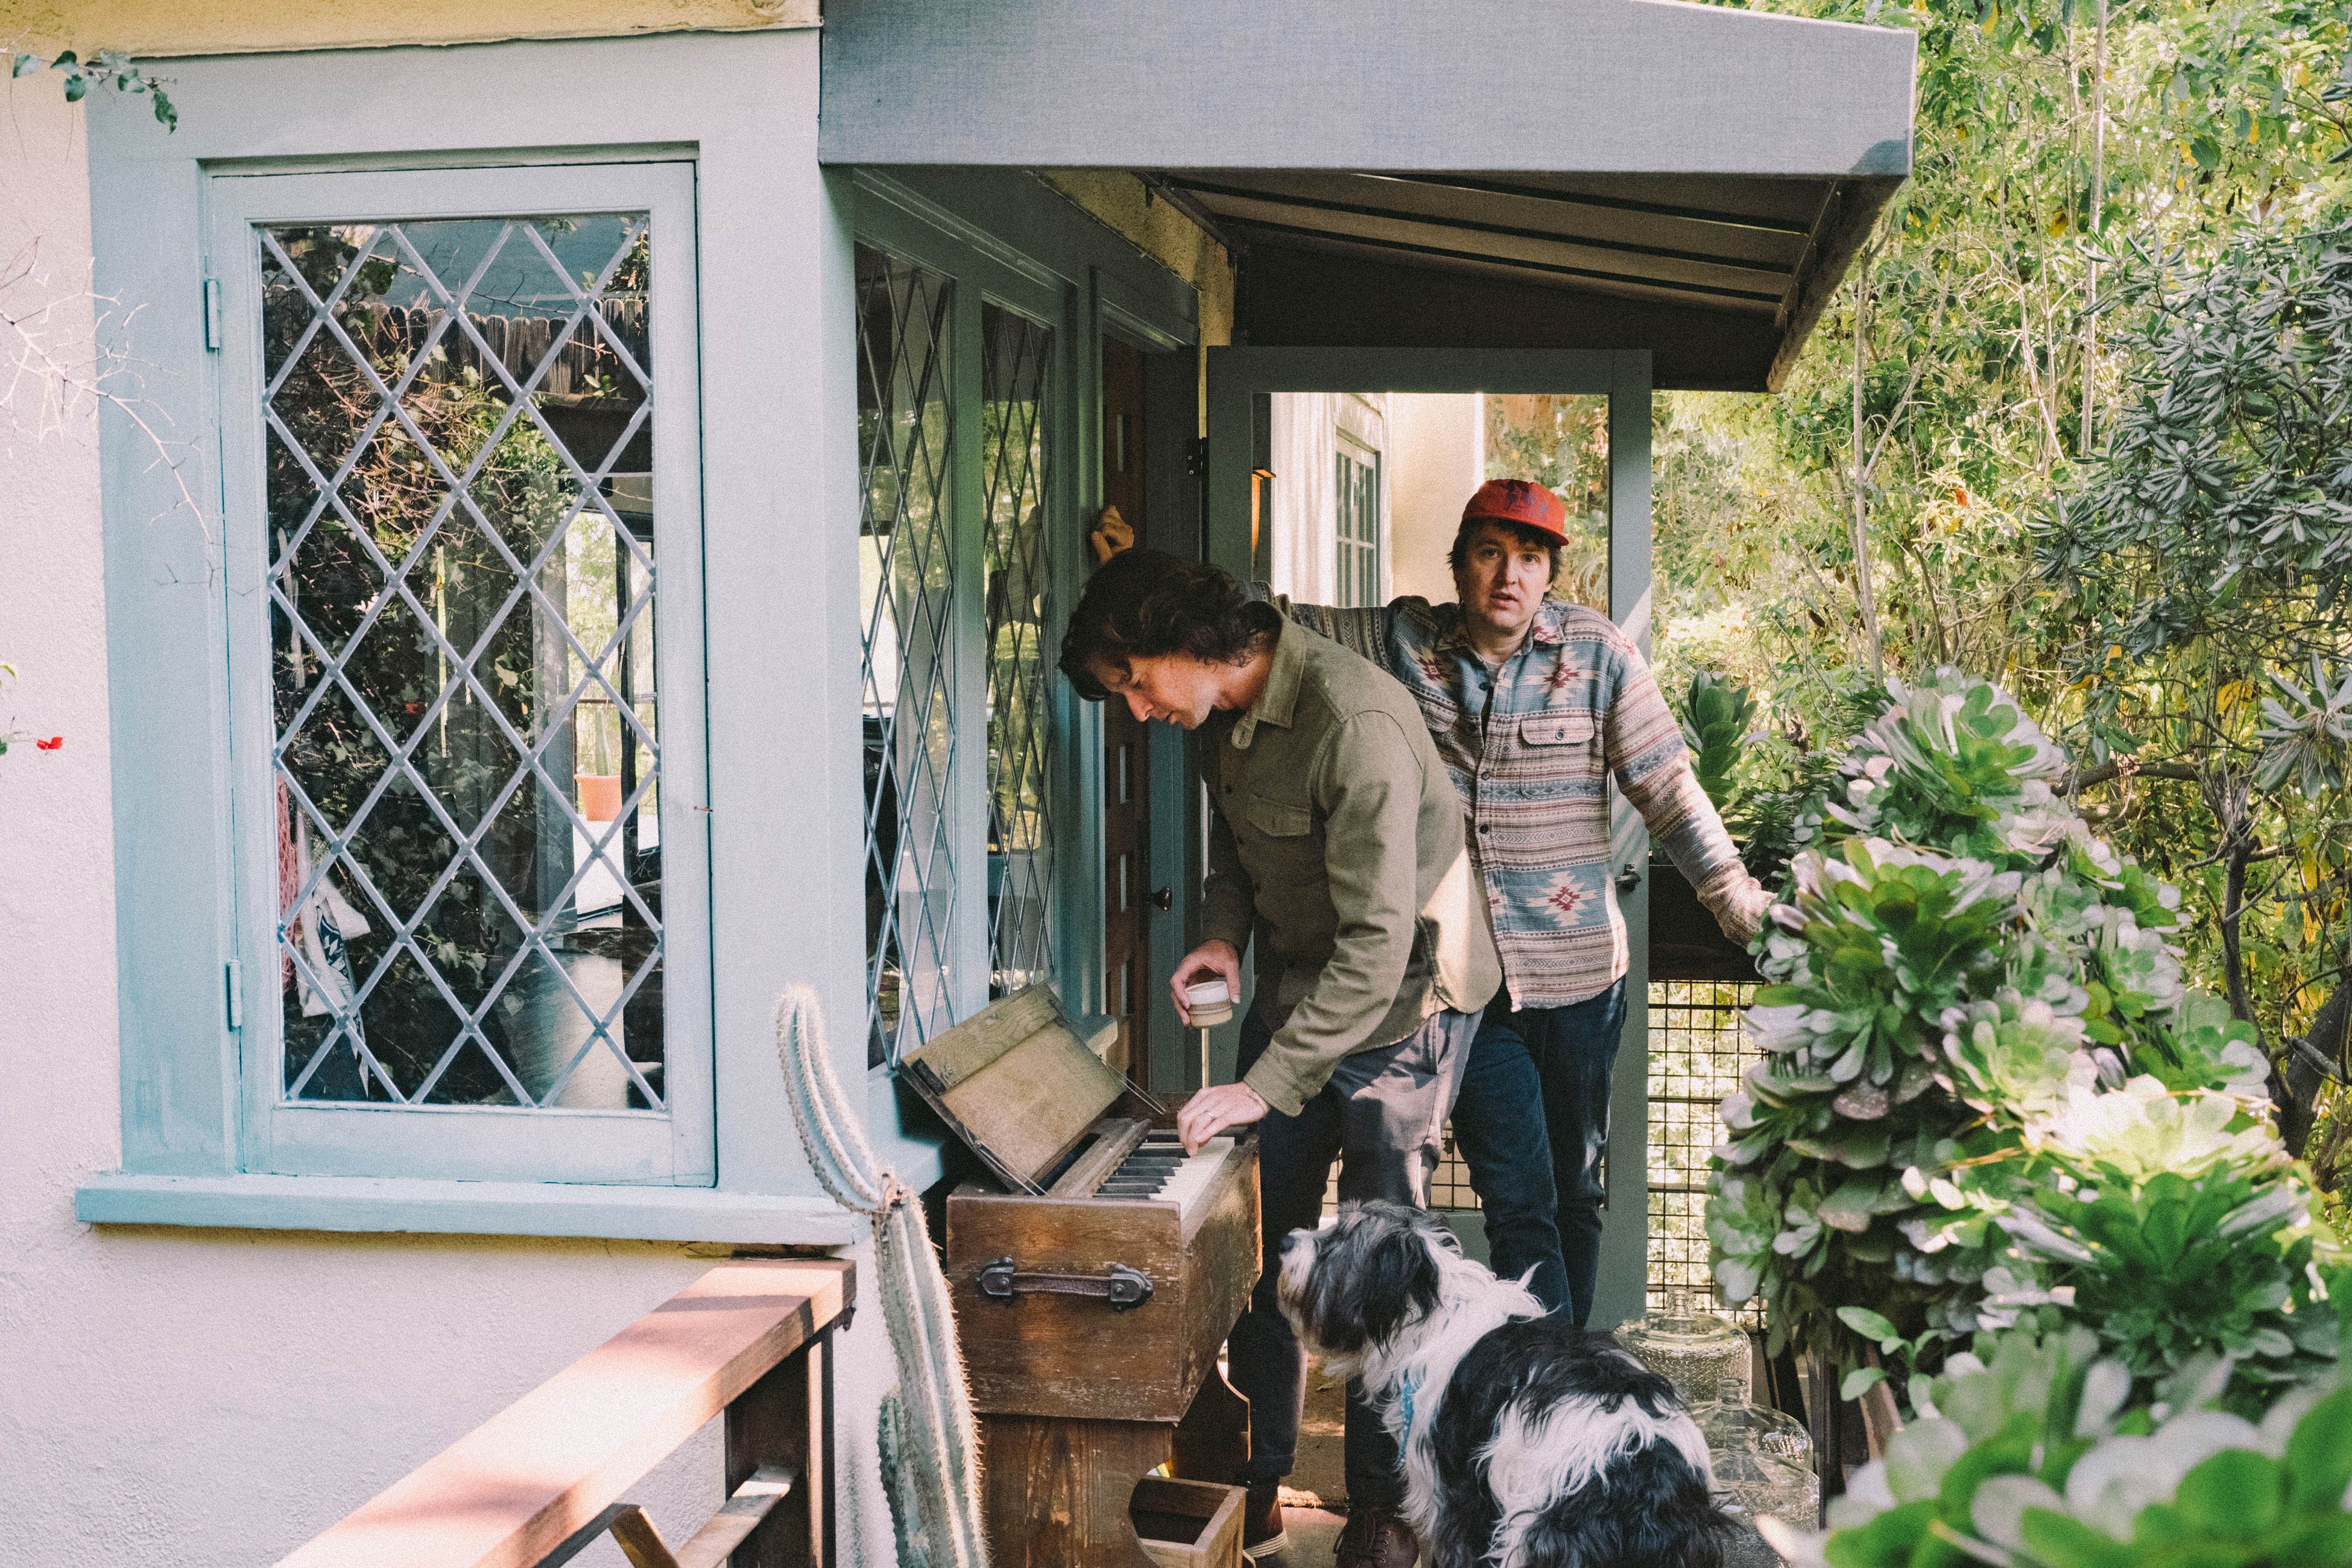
(1126,754)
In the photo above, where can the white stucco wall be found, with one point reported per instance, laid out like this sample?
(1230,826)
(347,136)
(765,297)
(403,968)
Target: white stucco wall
(188,1398)
(1436,460)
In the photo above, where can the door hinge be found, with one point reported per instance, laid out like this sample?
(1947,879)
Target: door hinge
(233,977)
(1196,457)
(212,315)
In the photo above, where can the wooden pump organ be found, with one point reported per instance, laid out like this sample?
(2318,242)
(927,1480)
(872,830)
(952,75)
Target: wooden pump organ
(1094,1282)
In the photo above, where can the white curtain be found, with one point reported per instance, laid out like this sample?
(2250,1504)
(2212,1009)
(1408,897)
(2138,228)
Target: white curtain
(1307,426)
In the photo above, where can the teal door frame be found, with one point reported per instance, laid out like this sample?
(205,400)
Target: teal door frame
(1236,376)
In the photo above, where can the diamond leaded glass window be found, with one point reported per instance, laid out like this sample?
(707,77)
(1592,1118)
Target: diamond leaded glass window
(907,577)
(1014,417)
(458,472)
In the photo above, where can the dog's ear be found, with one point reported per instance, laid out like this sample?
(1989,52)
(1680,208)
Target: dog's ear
(1397,1275)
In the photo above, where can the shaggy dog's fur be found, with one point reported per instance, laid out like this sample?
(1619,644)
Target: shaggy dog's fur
(1528,1442)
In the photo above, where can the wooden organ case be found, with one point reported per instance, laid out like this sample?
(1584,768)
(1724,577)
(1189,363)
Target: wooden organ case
(1094,1282)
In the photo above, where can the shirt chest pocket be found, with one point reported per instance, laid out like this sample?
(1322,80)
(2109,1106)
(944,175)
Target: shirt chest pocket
(1561,740)
(1284,835)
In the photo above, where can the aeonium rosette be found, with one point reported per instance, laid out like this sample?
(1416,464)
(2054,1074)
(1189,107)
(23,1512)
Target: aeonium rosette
(2035,1450)
(2177,1227)
(1958,959)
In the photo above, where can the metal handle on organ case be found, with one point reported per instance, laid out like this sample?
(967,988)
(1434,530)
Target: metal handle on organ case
(1121,1287)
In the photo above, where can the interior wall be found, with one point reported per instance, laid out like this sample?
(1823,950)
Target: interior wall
(1437,459)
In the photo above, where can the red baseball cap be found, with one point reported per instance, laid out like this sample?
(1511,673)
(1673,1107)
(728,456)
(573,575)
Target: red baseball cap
(1521,504)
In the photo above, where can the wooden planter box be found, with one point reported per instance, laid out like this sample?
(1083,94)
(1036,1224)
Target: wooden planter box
(1684,941)
(1188,1524)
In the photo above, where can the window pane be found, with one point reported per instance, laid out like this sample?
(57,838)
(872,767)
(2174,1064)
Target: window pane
(906,580)
(1014,416)
(1357,487)
(462,585)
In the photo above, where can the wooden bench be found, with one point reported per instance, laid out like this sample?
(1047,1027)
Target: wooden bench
(537,1483)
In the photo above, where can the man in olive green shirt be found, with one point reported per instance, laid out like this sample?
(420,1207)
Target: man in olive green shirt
(1336,843)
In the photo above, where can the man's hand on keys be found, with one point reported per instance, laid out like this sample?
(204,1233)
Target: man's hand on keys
(1213,1110)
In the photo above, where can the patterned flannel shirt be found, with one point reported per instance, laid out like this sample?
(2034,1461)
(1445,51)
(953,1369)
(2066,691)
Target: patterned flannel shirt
(1531,747)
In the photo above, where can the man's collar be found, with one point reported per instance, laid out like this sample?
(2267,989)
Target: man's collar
(1549,631)
(1273,705)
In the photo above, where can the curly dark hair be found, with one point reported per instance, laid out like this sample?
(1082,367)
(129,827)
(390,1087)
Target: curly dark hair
(1143,604)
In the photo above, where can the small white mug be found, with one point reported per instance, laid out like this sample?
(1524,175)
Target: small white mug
(1209,1003)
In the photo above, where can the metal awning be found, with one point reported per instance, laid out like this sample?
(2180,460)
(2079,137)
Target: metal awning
(1526,174)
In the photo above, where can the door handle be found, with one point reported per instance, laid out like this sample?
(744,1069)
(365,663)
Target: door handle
(1629,879)
(1164,900)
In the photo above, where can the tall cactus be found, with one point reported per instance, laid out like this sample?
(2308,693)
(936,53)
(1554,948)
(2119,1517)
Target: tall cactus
(936,1430)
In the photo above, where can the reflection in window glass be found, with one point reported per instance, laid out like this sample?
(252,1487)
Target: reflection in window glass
(1017,355)
(1561,440)
(457,417)
(906,597)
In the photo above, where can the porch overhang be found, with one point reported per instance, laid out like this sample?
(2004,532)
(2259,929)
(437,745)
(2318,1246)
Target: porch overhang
(1524,174)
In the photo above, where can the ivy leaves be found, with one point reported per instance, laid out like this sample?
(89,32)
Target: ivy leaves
(108,68)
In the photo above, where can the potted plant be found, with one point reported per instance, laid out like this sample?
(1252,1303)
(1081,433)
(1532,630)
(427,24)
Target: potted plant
(599,790)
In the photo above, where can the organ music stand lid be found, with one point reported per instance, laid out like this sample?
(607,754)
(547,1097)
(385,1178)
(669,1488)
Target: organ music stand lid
(1018,1083)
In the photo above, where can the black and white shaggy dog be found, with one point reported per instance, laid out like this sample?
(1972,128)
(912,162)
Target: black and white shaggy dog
(1528,1442)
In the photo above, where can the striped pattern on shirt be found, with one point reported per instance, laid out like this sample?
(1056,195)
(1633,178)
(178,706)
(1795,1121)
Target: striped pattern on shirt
(1531,747)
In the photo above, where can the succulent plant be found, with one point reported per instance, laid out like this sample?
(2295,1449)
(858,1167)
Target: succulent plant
(1975,1035)
(2032,1452)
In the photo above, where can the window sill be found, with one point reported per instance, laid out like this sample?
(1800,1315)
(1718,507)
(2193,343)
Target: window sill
(462,1209)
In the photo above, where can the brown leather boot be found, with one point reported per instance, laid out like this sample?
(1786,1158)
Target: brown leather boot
(1378,1538)
(1263,1534)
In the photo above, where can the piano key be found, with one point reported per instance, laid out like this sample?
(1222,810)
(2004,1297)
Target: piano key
(1192,1178)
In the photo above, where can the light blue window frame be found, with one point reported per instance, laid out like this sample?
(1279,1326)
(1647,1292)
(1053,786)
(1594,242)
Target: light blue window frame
(778,460)
(673,1146)
(777,463)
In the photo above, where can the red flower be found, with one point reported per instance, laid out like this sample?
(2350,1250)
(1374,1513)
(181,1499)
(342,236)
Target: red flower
(51,744)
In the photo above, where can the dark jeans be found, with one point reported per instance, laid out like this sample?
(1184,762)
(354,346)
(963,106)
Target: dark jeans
(1381,1116)
(1532,1123)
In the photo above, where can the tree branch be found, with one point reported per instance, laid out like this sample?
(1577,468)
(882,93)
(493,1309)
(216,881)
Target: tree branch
(2233,909)
(2080,779)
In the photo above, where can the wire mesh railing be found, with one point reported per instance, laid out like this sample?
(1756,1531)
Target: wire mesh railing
(1698,1053)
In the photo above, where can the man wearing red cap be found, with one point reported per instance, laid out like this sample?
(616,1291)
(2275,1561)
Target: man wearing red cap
(1535,705)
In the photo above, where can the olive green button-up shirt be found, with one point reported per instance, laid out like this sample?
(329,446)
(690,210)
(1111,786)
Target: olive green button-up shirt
(1337,836)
